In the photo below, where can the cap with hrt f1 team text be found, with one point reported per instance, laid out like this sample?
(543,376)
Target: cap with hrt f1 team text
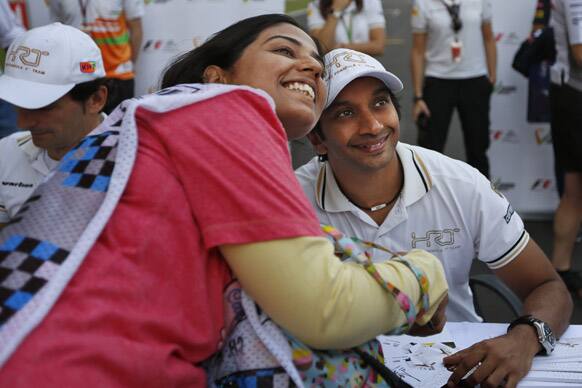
(45,63)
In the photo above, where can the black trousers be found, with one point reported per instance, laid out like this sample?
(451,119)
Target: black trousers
(566,125)
(119,90)
(471,97)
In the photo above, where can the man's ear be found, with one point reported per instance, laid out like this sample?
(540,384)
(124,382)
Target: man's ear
(317,142)
(215,74)
(97,100)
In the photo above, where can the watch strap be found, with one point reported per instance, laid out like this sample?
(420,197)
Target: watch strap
(523,320)
(545,336)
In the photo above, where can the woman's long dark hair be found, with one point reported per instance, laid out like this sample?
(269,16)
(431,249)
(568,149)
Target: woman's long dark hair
(325,6)
(223,49)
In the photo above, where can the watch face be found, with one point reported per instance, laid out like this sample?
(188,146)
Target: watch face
(547,339)
(549,335)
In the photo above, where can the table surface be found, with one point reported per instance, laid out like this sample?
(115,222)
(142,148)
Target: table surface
(465,334)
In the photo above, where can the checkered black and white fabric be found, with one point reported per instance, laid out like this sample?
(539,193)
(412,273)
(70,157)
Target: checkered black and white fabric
(44,245)
(91,164)
(29,258)
(26,264)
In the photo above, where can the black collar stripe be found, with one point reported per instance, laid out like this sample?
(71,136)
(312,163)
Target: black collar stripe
(322,183)
(519,241)
(22,141)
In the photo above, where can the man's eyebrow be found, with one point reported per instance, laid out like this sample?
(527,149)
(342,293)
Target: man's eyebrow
(379,90)
(382,89)
(314,54)
(337,103)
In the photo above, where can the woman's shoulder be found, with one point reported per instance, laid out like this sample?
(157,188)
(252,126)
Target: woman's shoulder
(180,96)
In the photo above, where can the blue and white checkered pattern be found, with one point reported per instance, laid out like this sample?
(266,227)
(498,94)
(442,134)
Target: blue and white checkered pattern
(26,264)
(90,164)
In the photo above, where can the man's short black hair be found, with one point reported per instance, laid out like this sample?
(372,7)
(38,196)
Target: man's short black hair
(81,92)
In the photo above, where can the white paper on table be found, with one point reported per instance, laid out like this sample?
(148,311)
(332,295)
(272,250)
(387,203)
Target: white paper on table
(418,360)
(564,366)
(556,377)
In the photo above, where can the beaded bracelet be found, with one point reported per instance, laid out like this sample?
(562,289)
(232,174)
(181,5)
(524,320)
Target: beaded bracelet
(350,248)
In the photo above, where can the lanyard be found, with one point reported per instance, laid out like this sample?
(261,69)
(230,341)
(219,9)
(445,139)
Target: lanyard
(348,28)
(454,10)
(83,4)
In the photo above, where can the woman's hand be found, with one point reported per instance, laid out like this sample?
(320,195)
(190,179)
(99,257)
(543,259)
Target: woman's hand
(436,323)
(419,108)
(340,5)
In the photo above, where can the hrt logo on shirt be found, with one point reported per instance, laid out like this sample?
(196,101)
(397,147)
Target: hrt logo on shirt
(441,238)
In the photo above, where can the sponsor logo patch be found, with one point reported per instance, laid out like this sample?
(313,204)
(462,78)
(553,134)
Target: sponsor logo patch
(88,67)
(501,185)
(17,184)
(508,213)
(543,136)
(542,184)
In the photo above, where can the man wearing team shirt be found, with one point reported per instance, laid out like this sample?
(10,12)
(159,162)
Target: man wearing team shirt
(59,94)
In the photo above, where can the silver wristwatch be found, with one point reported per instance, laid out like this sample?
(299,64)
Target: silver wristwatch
(546,337)
(337,14)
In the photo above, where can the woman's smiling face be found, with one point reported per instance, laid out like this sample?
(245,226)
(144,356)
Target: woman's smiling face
(284,62)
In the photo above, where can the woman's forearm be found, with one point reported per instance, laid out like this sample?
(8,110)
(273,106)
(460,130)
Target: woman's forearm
(417,60)
(490,51)
(326,34)
(375,46)
(325,303)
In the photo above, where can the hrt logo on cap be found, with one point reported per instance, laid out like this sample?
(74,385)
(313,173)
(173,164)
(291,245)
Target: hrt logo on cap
(27,56)
(345,59)
(88,67)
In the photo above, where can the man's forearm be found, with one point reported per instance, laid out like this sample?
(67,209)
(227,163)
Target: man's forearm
(551,302)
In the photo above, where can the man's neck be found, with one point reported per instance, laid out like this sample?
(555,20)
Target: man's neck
(368,189)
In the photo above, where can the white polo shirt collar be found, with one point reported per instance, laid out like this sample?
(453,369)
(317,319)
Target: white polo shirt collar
(417,182)
(33,153)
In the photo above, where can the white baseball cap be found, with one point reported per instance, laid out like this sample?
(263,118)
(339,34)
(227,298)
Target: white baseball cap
(342,66)
(45,63)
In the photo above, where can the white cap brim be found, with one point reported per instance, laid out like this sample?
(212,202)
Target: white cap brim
(390,80)
(30,95)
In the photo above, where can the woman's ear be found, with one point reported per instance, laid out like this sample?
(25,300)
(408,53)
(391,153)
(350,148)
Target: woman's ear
(215,74)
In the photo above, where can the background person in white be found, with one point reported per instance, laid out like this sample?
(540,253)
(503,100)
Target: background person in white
(354,24)
(10,28)
(59,97)
(403,197)
(443,81)
(116,27)
(566,123)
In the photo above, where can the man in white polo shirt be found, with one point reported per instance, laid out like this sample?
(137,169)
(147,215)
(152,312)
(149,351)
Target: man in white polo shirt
(54,75)
(404,197)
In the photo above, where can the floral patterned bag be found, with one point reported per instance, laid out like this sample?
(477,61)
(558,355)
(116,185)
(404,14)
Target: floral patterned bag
(258,353)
